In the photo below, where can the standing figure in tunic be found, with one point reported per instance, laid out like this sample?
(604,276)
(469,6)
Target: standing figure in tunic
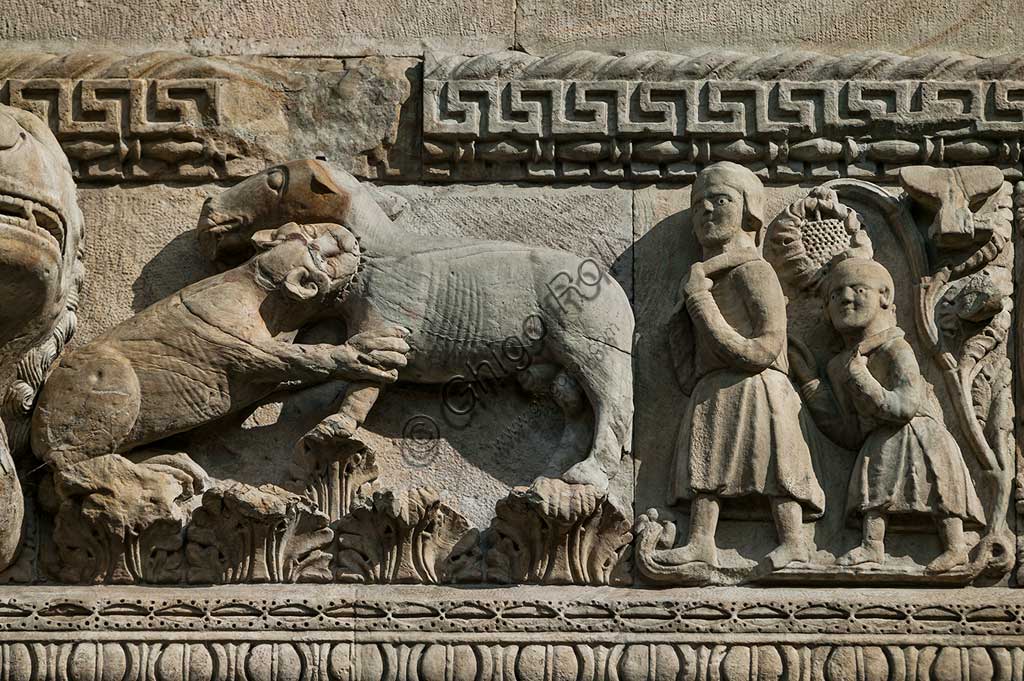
(875,400)
(741,436)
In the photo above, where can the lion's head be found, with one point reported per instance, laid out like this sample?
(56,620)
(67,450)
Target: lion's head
(41,266)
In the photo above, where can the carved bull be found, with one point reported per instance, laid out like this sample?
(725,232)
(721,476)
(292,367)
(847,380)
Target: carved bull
(956,196)
(461,299)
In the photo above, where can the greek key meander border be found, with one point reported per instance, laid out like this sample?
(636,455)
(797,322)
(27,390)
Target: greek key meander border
(650,131)
(191,142)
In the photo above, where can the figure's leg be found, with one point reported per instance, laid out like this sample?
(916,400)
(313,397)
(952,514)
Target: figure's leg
(700,547)
(955,554)
(789,521)
(872,547)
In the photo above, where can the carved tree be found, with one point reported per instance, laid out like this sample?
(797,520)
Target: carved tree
(964,315)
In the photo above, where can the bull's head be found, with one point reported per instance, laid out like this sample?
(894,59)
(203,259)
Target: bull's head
(955,196)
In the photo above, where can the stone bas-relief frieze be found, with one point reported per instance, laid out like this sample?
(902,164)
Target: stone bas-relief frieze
(868,395)
(166,116)
(661,117)
(127,509)
(800,373)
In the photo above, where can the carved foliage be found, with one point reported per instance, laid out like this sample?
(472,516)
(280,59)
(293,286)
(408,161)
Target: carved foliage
(557,533)
(243,533)
(396,537)
(92,553)
(338,484)
(965,318)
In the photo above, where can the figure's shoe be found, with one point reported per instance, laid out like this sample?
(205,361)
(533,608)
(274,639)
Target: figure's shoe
(691,553)
(948,560)
(587,472)
(784,554)
(868,552)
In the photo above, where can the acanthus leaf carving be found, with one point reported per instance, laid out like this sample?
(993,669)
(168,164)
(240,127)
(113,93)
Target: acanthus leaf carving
(554,532)
(398,537)
(965,317)
(245,534)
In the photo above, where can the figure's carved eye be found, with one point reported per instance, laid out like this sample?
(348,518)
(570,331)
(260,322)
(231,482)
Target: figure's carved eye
(275,179)
(721,200)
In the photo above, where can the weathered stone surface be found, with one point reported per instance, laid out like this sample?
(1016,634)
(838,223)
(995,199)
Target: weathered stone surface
(145,249)
(906,26)
(173,116)
(397,27)
(567,297)
(359,113)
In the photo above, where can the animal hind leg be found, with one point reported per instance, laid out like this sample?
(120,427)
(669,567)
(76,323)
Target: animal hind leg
(606,379)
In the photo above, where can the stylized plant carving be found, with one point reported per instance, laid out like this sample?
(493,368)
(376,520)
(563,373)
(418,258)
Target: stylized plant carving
(398,537)
(243,533)
(558,533)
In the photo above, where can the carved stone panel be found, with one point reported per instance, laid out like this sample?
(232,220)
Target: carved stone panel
(637,367)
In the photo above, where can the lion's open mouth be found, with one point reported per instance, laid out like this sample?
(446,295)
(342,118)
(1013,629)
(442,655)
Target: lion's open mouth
(33,216)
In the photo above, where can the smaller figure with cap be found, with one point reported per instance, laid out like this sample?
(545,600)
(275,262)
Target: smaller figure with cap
(875,401)
(740,439)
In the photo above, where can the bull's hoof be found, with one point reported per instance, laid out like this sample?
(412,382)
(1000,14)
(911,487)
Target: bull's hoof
(587,472)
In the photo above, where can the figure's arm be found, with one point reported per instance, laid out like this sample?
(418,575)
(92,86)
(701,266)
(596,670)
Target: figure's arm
(898,404)
(680,343)
(837,425)
(766,306)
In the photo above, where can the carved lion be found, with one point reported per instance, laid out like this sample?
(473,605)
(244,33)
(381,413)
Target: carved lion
(207,351)
(41,273)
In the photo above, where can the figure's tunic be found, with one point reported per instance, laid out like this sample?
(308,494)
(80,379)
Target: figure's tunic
(904,466)
(741,433)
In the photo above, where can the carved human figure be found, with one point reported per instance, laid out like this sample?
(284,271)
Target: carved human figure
(740,436)
(875,400)
(204,352)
